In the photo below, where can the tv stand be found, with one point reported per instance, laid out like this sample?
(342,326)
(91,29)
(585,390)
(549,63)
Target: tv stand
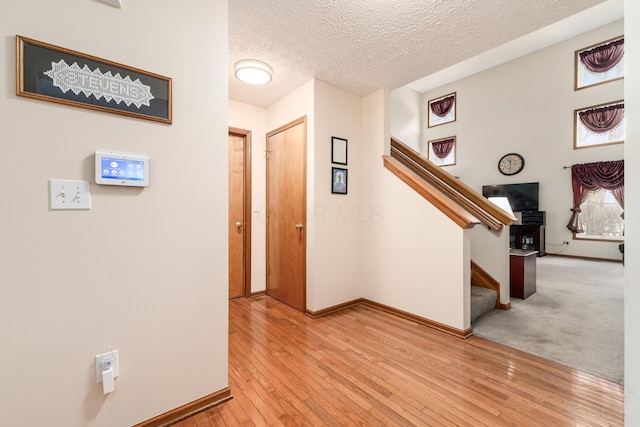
(528,237)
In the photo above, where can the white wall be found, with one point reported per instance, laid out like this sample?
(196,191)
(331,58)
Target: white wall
(336,217)
(490,250)
(291,107)
(632,210)
(249,117)
(526,106)
(358,244)
(406,124)
(333,231)
(69,287)
(413,258)
(406,116)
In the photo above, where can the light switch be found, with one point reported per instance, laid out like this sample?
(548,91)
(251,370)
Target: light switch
(69,194)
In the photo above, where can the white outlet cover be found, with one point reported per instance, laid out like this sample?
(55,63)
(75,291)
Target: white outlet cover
(108,356)
(69,194)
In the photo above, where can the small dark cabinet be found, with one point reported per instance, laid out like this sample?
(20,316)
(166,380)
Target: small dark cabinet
(523,273)
(528,237)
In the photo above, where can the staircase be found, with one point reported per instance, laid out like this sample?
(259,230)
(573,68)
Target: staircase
(485,292)
(462,204)
(483,300)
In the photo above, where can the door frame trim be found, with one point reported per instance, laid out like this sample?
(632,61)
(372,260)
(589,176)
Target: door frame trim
(246,257)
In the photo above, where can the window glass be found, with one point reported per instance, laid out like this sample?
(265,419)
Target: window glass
(589,139)
(588,78)
(601,217)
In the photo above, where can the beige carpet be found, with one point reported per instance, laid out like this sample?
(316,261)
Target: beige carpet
(576,317)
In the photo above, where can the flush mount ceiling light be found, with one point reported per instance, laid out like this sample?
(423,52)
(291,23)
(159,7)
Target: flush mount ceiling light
(253,71)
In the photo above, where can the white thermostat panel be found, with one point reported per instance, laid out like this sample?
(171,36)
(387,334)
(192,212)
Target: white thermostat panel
(113,168)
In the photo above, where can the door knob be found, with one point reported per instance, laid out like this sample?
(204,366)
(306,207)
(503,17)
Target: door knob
(298,227)
(238,224)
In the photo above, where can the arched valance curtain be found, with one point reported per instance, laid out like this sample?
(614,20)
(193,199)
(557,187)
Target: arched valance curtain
(602,119)
(442,107)
(442,148)
(602,58)
(589,177)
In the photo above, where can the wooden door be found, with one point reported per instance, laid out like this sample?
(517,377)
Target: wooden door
(239,213)
(286,214)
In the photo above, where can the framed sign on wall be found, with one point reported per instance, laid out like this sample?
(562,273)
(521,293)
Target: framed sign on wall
(55,74)
(338,150)
(339,180)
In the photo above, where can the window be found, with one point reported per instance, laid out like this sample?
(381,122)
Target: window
(586,78)
(600,63)
(597,188)
(599,125)
(600,217)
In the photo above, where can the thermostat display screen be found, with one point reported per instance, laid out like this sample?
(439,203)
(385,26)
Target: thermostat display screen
(127,169)
(122,169)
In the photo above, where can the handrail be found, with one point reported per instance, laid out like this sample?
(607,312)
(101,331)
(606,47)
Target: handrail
(463,195)
(451,209)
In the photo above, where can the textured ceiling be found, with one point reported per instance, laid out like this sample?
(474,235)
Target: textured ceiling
(364,45)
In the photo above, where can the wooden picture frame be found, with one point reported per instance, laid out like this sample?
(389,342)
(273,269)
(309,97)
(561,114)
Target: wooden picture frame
(584,78)
(442,110)
(449,156)
(51,73)
(338,150)
(583,138)
(339,180)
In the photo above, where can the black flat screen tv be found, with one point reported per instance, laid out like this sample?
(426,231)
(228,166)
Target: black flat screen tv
(522,197)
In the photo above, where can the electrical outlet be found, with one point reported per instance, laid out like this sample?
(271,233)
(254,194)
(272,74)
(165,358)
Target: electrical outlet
(105,361)
(565,243)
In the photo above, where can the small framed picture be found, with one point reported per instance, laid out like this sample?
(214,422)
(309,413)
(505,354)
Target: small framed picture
(338,150)
(442,152)
(339,180)
(442,110)
(597,125)
(599,63)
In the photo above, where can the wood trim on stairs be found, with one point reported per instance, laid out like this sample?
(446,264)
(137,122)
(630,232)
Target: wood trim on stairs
(480,277)
(187,410)
(466,197)
(448,207)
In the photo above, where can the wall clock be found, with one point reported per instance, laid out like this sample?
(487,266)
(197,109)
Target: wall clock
(511,164)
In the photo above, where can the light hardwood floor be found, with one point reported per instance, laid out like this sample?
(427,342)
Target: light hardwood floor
(364,367)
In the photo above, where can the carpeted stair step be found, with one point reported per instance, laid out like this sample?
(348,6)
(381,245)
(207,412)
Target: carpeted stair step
(483,300)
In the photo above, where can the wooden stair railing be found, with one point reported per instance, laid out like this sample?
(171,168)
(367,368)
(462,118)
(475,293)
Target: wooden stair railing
(455,190)
(462,204)
(452,210)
